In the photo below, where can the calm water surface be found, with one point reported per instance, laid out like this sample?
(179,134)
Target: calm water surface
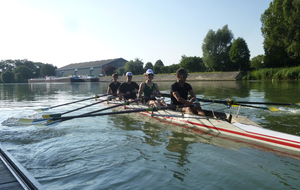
(121,152)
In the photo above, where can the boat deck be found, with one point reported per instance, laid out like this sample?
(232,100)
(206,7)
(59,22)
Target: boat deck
(13,176)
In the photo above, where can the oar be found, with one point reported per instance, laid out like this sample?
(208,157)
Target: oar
(264,108)
(60,114)
(245,102)
(240,102)
(36,121)
(46,109)
(150,109)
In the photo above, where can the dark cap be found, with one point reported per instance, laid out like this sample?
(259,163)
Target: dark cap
(181,71)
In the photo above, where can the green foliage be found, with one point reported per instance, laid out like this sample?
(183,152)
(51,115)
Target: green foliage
(19,78)
(192,64)
(109,69)
(48,70)
(148,65)
(292,73)
(240,55)
(24,71)
(157,69)
(216,49)
(159,63)
(7,77)
(136,67)
(280,28)
(258,62)
(121,71)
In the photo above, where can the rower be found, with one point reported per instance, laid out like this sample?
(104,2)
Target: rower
(179,94)
(127,90)
(113,87)
(150,90)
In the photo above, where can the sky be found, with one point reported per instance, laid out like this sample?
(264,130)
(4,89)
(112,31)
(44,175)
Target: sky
(61,32)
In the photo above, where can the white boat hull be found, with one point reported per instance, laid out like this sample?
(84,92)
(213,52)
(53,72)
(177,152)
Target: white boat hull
(242,132)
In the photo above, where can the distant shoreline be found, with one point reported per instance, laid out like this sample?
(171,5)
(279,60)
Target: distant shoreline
(219,76)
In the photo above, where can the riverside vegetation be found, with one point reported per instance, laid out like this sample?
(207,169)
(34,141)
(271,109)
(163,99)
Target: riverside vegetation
(292,73)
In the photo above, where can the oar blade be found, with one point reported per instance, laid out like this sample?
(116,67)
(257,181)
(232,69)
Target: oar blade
(49,123)
(52,115)
(31,121)
(297,104)
(41,109)
(273,109)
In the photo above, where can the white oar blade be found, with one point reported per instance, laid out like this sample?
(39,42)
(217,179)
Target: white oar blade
(49,123)
(41,109)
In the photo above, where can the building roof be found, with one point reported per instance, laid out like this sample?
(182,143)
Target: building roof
(89,64)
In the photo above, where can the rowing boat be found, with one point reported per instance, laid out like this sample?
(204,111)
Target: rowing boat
(234,128)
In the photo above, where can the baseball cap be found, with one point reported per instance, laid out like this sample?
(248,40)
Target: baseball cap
(128,74)
(149,71)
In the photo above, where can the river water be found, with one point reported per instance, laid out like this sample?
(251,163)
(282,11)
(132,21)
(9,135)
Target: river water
(121,152)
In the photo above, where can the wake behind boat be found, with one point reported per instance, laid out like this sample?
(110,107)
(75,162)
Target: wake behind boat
(235,128)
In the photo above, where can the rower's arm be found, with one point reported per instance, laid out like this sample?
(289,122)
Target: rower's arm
(109,90)
(141,89)
(180,99)
(193,96)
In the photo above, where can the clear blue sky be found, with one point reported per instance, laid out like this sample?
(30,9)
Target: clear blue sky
(61,32)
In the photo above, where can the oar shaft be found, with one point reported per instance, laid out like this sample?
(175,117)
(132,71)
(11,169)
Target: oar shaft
(242,102)
(76,101)
(121,112)
(108,99)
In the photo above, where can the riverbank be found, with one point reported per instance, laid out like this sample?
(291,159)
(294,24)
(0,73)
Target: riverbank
(218,76)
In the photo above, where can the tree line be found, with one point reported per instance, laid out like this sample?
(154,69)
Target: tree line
(20,71)
(222,52)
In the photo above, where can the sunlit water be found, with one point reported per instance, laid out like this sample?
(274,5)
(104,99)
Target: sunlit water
(124,152)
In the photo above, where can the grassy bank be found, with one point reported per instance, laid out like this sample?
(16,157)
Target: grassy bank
(292,73)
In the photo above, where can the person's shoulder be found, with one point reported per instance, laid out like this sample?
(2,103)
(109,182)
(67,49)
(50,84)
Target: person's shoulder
(175,84)
(188,85)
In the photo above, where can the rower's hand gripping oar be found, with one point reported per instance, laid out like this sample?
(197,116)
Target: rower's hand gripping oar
(46,109)
(60,114)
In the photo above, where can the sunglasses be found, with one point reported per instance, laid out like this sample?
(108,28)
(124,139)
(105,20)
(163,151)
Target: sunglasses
(182,76)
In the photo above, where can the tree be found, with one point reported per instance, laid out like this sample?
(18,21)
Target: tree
(148,65)
(136,66)
(121,71)
(19,78)
(240,55)
(7,77)
(159,63)
(257,62)
(109,69)
(281,32)
(216,49)
(48,70)
(192,64)
(173,68)
(24,71)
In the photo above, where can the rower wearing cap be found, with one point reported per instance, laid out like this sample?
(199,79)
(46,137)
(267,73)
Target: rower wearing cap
(150,90)
(113,87)
(179,94)
(128,89)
